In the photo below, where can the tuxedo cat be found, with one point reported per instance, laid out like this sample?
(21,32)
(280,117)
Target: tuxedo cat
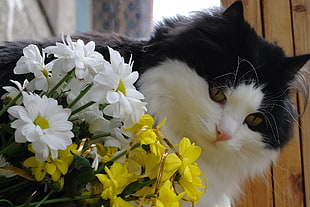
(217,82)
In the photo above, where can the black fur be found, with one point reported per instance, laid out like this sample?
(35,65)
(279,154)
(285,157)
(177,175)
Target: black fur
(221,47)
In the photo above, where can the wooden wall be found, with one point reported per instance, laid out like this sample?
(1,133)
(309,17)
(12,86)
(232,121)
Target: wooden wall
(287,184)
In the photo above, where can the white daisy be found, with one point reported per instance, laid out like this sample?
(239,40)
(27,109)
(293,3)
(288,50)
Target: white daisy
(33,62)
(116,87)
(3,172)
(44,123)
(69,54)
(12,92)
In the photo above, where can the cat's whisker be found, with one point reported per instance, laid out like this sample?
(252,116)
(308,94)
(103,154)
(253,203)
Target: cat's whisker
(277,95)
(289,112)
(223,75)
(274,128)
(240,60)
(237,70)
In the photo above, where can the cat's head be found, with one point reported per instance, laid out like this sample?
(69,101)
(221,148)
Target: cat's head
(218,82)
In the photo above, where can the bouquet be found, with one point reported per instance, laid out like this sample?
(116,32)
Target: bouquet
(76,133)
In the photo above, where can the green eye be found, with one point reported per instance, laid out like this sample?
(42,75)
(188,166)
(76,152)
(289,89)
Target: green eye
(217,95)
(254,120)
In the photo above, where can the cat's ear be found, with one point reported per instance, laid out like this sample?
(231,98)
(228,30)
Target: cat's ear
(235,11)
(293,64)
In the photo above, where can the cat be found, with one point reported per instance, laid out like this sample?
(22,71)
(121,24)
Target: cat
(217,82)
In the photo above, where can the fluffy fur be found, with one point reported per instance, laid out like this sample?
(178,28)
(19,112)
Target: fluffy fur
(184,59)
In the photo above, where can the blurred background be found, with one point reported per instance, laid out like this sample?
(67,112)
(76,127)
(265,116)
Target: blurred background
(40,19)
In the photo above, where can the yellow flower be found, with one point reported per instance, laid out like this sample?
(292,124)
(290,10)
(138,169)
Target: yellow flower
(144,163)
(189,151)
(146,121)
(172,164)
(189,171)
(114,182)
(167,196)
(53,167)
(185,170)
(148,136)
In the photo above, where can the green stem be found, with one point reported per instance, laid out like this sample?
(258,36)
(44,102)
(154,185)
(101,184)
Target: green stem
(61,200)
(14,187)
(73,119)
(6,201)
(45,198)
(124,152)
(82,93)
(134,198)
(64,79)
(11,103)
(82,107)
(100,135)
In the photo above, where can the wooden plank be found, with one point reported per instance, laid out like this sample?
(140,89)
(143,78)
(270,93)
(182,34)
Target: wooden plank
(252,13)
(301,26)
(287,172)
(257,192)
(305,123)
(277,24)
(288,176)
(227,3)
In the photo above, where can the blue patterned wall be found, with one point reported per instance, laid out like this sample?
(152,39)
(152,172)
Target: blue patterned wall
(129,17)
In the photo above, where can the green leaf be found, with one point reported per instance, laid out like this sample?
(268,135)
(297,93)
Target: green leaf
(137,185)
(77,179)
(80,162)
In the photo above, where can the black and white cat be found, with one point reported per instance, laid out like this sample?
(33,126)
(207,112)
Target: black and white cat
(218,83)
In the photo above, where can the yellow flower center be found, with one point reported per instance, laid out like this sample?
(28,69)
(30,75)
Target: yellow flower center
(121,87)
(45,73)
(42,122)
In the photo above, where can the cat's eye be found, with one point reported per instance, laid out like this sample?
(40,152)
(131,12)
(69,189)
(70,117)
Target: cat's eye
(217,95)
(254,119)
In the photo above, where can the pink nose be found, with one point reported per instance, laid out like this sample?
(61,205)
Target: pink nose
(221,135)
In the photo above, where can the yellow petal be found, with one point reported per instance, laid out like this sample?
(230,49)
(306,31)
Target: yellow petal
(30,162)
(167,196)
(189,150)
(108,193)
(39,173)
(118,202)
(172,162)
(101,150)
(103,178)
(146,121)
(161,123)
(61,166)
(56,175)
(187,175)
(50,168)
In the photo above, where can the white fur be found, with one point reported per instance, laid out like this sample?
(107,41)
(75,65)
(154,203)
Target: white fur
(177,92)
